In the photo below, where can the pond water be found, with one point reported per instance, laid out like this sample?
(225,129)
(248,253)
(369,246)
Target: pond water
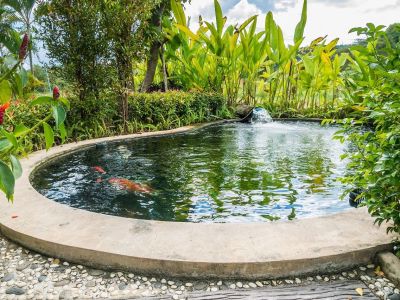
(232,172)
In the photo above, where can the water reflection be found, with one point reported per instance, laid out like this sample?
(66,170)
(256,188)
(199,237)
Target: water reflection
(227,173)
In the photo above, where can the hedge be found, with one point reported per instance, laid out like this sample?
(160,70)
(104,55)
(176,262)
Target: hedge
(175,108)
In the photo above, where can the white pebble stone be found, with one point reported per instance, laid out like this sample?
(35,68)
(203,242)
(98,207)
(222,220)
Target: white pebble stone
(239,284)
(232,286)
(214,289)
(297,280)
(380,293)
(259,284)
(219,283)
(252,285)
(188,284)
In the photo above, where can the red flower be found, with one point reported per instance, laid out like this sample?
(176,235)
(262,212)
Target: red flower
(3,109)
(24,47)
(56,93)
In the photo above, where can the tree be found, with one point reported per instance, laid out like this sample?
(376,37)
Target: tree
(393,34)
(157,43)
(126,25)
(77,45)
(21,12)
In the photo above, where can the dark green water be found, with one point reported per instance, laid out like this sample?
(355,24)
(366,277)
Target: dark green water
(225,173)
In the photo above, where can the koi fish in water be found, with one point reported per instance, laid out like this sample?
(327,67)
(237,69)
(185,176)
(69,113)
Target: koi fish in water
(99,169)
(129,185)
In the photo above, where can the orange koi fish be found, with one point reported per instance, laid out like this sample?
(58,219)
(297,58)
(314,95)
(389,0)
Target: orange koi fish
(129,185)
(99,169)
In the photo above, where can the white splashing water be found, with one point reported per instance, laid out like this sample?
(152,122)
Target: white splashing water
(260,115)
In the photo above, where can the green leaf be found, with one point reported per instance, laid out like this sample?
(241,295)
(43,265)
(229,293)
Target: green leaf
(48,135)
(16,167)
(299,31)
(5,144)
(42,100)
(218,16)
(5,92)
(59,115)
(7,180)
(63,132)
(20,129)
(65,102)
(178,11)
(10,137)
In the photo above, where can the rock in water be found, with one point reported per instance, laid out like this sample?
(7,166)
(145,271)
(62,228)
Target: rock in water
(243,110)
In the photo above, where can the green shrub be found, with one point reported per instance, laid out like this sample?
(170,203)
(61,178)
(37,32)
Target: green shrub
(373,128)
(174,109)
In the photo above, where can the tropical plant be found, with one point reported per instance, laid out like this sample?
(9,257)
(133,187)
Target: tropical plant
(373,125)
(21,13)
(13,78)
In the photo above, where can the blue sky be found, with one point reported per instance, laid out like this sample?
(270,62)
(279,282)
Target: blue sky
(325,17)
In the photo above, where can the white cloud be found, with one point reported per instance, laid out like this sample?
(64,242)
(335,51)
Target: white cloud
(325,17)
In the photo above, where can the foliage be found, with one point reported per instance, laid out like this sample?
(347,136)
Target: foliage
(21,14)
(13,79)
(76,42)
(255,67)
(96,43)
(147,111)
(174,109)
(373,126)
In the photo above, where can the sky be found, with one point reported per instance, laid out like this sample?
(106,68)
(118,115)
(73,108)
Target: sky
(325,17)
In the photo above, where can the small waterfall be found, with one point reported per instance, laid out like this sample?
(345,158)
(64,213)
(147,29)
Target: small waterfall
(260,115)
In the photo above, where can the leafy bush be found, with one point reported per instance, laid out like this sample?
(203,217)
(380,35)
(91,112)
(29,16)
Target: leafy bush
(174,109)
(147,111)
(14,136)
(373,128)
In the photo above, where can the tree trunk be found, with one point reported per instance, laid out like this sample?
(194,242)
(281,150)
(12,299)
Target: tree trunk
(154,49)
(28,27)
(165,72)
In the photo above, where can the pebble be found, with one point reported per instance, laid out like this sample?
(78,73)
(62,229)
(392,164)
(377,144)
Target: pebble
(14,290)
(66,295)
(8,277)
(252,285)
(61,283)
(32,276)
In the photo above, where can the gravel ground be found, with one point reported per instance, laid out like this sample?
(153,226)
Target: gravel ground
(28,275)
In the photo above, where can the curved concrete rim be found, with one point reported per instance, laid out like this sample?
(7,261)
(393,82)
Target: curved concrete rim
(232,250)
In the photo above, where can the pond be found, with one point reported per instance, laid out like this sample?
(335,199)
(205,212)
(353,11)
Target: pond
(232,172)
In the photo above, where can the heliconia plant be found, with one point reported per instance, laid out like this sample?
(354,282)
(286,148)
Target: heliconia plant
(254,67)
(13,78)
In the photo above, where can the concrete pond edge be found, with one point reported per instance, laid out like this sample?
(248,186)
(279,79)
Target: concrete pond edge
(234,250)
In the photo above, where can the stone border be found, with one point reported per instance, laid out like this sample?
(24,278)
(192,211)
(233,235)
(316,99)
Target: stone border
(233,250)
